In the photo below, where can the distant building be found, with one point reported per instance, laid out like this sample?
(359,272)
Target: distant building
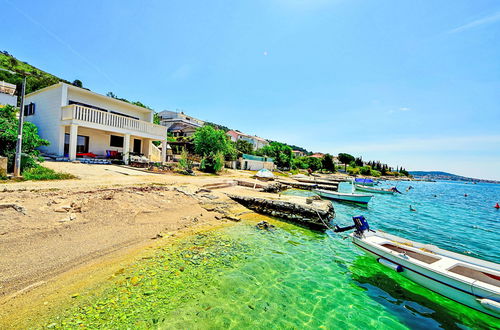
(7,92)
(255,163)
(317,155)
(256,141)
(178,123)
(298,153)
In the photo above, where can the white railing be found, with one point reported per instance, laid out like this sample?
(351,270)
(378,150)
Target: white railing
(81,113)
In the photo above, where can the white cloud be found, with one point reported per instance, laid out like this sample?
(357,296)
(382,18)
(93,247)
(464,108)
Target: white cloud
(482,21)
(402,109)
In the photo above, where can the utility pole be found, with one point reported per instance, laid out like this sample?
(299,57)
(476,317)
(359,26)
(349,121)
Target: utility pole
(19,144)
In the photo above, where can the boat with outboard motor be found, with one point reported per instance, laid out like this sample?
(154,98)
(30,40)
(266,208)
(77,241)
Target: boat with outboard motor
(470,281)
(391,191)
(346,197)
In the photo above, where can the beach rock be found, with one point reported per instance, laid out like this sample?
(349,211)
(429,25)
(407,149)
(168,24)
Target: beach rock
(264,225)
(187,190)
(275,187)
(63,209)
(232,218)
(16,207)
(209,196)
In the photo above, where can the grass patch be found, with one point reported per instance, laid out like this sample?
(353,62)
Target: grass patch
(43,173)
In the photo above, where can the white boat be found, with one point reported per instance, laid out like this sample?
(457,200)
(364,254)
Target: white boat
(348,197)
(373,189)
(470,281)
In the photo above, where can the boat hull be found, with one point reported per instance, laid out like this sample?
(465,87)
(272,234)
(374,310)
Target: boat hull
(368,184)
(354,198)
(458,291)
(373,190)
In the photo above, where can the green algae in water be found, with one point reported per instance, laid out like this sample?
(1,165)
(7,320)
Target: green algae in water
(143,295)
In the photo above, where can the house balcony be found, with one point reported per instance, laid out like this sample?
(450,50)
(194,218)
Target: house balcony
(106,121)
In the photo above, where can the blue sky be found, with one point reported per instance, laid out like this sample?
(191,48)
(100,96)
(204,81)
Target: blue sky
(411,83)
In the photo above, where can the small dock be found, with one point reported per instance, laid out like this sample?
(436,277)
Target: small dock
(315,214)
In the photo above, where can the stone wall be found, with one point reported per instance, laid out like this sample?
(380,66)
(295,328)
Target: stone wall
(310,215)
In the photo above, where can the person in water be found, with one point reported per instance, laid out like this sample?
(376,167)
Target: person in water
(412,209)
(497,206)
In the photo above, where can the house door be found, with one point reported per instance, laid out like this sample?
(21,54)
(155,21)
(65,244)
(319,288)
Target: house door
(137,146)
(82,144)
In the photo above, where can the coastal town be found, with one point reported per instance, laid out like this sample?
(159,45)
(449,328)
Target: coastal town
(248,165)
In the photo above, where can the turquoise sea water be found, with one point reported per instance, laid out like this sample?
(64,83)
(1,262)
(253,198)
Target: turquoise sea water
(294,278)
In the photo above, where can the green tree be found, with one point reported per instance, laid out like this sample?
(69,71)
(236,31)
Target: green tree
(212,145)
(300,163)
(8,139)
(156,119)
(244,147)
(359,161)
(314,163)
(345,159)
(77,83)
(281,153)
(327,163)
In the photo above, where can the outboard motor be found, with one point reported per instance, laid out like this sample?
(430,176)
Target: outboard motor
(360,224)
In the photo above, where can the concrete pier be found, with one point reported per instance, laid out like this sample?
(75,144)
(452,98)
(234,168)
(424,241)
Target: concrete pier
(293,208)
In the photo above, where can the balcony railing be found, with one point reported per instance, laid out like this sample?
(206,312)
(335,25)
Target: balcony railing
(81,113)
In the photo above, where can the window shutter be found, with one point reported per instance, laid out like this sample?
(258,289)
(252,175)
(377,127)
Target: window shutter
(29,109)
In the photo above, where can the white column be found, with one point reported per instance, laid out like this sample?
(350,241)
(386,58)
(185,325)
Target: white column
(164,150)
(146,147)
(73,134)
(64,95)
(60,147)
(126,148)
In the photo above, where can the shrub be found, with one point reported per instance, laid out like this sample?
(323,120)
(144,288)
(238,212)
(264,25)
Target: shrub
(185,163)
(353,170)
(375,173)
(8,139)
(212,163)
(42,173)
(365,170)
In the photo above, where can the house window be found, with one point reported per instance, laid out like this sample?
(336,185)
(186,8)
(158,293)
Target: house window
(116,141)
(29,109)
(82,144)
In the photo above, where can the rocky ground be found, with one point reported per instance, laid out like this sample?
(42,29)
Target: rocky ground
(46,232)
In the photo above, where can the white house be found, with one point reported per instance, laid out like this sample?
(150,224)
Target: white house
(256,141)
(77,121)
(178,123)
